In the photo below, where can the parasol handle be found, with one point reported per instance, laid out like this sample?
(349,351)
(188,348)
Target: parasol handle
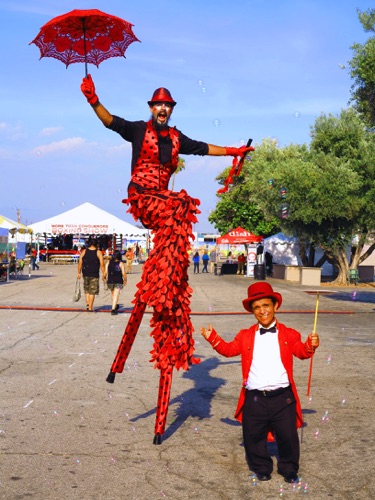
(84,43)
(316,312)
(242,159)
(310,376)
(314,331)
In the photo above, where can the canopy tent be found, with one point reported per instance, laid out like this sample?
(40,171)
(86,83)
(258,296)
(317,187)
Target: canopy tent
(15,231)
(13,227)
(284,249)
(238,236)
(14,237)
(87,219)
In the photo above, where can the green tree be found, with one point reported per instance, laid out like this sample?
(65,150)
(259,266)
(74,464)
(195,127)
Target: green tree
(363,70)
(346,140)
(323,194)
(238,208)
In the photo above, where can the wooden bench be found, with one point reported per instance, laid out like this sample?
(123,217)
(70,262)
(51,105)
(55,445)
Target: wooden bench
(64,259)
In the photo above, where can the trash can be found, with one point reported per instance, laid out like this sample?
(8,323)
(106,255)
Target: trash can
(259,272)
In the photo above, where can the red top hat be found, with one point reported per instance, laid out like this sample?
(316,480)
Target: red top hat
(162,95)
(260,290)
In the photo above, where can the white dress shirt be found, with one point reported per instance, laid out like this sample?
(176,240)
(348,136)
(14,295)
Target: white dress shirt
(267,372)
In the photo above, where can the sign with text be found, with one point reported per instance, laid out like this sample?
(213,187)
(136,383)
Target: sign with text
(79,229)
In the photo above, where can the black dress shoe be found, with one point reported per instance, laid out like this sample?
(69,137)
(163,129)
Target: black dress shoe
(263,477)
(290,477)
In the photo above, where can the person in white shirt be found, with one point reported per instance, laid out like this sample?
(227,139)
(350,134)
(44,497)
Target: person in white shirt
(268,406)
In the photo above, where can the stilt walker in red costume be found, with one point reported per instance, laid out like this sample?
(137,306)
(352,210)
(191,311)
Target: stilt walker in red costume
(170,215)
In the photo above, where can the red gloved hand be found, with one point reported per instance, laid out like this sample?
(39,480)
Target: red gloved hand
(88,90)
(238,151)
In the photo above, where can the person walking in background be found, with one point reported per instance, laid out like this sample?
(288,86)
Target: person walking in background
(136,252)
(205,259)
(116,278)
(268,398)
(213,256)
(196,259)
(33,257)
(90,263)
(129,256)
(241,264)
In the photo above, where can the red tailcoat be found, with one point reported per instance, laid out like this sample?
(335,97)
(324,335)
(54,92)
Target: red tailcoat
(243,344)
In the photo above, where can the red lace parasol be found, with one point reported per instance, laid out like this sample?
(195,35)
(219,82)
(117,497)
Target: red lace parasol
(88,36)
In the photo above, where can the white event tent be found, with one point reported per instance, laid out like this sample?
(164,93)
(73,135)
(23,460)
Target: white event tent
(87,219)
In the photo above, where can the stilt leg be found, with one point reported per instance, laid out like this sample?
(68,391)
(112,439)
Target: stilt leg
(163,402)
(127,340)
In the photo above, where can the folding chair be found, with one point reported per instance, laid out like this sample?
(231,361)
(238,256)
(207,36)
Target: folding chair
(353,276)
(20,266)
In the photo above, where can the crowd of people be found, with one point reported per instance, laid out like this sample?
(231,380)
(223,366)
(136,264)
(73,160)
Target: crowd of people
(213,258)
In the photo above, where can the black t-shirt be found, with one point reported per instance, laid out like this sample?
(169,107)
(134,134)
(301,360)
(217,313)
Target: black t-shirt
(134,132)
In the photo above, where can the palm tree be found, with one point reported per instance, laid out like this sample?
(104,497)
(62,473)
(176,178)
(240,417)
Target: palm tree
(180,166)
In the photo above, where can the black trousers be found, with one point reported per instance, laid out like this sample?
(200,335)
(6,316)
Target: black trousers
(273,412)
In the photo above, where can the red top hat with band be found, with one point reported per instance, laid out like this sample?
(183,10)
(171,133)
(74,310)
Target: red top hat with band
(260,290)
(162,95)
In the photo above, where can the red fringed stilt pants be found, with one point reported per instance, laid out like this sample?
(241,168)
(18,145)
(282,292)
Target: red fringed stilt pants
(164,287)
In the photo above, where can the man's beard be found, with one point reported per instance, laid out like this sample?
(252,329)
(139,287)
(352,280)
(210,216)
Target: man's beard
(159,127)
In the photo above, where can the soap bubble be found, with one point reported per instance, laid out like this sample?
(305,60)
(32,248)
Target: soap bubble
(297,114)
(216,123)
(271,183)
(316,434)
(282,192)
(204,90)
(329,359)
(200,83)
(253,480)
(325,417)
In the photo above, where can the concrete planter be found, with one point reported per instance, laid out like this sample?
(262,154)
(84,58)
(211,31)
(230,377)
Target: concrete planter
(293,273)
(311,276)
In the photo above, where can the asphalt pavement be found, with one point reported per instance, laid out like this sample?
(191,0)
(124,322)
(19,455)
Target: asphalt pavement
(65,433)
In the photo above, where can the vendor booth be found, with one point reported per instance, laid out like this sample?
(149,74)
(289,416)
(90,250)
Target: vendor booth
(240,236)
(14,237)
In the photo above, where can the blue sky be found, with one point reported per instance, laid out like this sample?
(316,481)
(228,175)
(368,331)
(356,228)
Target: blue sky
(249,68)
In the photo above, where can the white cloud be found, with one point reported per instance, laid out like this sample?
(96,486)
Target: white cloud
(64,146)
(13,133)
(47,131)
(121,148)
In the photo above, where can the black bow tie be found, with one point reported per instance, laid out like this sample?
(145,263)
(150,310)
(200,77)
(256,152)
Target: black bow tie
(265,330)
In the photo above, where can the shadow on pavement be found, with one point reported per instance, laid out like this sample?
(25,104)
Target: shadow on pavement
(195,402)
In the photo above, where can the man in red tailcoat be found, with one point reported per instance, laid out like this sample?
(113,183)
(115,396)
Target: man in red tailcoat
(268,399)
